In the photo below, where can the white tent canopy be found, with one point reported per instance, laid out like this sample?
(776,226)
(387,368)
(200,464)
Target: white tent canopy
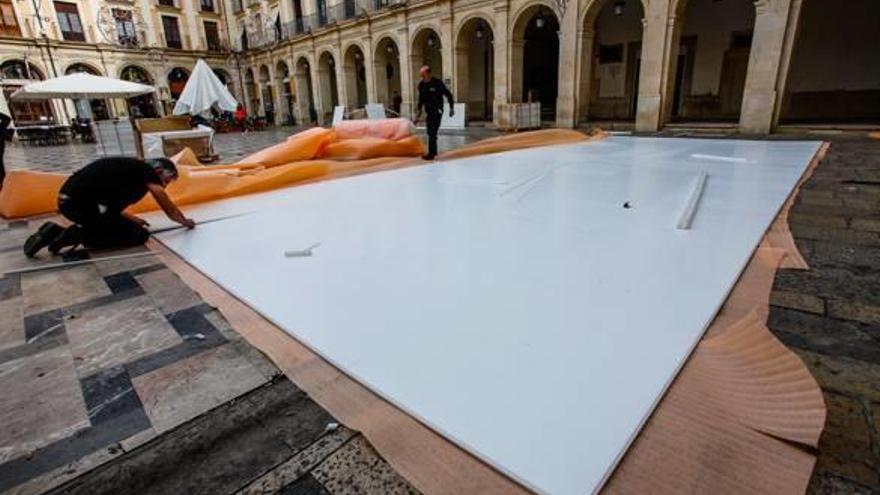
(81,86)
(202,91)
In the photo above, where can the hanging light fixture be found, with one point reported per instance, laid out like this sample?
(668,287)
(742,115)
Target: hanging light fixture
(389,48)
(618,7)
(479,32)
(431,40)
(357,55)
(539,22)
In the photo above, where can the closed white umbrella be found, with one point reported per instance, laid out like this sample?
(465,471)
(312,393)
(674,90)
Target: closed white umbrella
(203,90)
(81,86)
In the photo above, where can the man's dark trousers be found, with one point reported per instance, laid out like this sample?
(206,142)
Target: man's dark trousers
(109,230)
(433,119)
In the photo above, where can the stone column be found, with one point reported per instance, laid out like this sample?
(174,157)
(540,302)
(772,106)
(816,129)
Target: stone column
(317,90)
(794,14)
(502,62)
(585,74)
(341,86)
(447,48)
(370,69)
(461,77)
(406,71)
(654,73)
(765,57)
(569,68)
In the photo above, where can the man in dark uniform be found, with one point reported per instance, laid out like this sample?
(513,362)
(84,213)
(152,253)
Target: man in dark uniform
(431,93)
(4,125)
(95,198)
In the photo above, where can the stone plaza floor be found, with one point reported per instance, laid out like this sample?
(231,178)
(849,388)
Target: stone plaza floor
(132,383)
(230,147)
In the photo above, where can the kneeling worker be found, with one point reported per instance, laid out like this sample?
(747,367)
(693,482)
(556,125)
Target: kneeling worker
(95,198)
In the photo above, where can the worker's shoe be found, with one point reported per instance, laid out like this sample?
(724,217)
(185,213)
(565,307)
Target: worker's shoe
(71,237)
(44,236)
(427,157)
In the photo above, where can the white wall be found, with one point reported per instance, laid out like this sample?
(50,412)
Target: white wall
(838,46)
(713,21)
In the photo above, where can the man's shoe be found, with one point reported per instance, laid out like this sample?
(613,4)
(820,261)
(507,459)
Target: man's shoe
(427,157)
(71,237)
(47,233)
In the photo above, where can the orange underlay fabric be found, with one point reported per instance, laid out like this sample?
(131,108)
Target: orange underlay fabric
(311,155)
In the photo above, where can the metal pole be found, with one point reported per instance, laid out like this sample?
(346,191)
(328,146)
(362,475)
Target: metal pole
(48,52)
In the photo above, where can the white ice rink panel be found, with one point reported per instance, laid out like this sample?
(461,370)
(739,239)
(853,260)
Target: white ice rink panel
(510,301)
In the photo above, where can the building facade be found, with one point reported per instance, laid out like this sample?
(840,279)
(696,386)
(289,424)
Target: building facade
(743,65)
(153,42)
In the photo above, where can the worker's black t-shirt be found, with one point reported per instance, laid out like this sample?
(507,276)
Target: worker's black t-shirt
(114,182)
(431,95)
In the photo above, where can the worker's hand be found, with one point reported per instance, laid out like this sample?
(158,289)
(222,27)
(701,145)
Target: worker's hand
(188,223)
(451,112)
(136,219)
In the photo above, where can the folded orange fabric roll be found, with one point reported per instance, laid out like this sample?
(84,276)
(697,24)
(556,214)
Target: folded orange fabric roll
(370,147)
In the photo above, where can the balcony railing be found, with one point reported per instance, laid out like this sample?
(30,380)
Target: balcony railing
(331,14)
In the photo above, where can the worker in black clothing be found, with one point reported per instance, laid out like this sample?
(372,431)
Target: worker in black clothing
(4,125)
(431,93)
(95,198)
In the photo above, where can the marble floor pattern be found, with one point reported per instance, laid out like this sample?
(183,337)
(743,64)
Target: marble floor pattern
(104,363)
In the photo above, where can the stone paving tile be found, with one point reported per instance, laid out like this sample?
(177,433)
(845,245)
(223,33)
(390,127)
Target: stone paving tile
(847,439)
(183,390)
(53,289)
(11,323)
(257,359)
(356,468)
(218,452)
(285,478)
(830,314)
(168,291)
(67,472)
(41,402)
(118,333)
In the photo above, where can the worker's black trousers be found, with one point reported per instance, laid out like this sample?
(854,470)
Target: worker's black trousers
(109,230)
(433,121)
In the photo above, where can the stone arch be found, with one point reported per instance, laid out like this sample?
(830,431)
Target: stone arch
(426,50)
(146,106)
(534,56)
(13,66)
(327,70)
(176,78)
(474,63)
(267,92)
(354,74)
(302,73)
(251,91)
(284,83)
(709,87)
(610,65)
(96,109)
(82,67)
(387,66)
(13,70)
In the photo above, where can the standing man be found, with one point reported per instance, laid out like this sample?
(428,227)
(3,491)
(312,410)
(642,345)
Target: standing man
(431,93)
(95,197)
(4,125)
